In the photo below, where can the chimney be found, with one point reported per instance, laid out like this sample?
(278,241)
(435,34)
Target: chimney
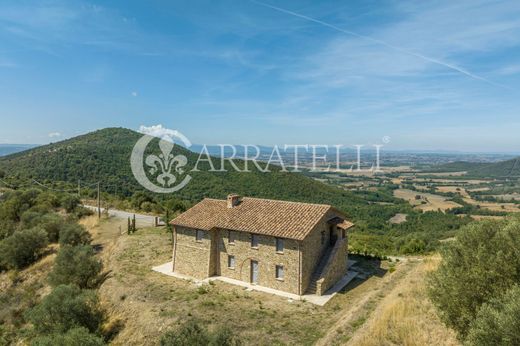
(232,200)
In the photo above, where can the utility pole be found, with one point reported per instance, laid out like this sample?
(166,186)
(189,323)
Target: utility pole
(79,188)
(98,201)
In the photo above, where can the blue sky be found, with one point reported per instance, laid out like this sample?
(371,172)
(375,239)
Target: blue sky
(429,75)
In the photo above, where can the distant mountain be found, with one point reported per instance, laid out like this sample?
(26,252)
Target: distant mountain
(6,149)
(104,156)
(502,169)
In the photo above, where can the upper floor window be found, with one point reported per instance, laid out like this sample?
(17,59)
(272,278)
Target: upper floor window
(279,245)
(199,235)
(231,237)
(254,240)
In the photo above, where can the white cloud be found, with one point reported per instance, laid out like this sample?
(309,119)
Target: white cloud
(159,131)
(54,134)
(134,93)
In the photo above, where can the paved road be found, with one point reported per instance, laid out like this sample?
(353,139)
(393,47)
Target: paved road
(141,218)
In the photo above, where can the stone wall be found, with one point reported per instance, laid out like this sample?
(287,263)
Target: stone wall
(336,267)
(313,248)
(191,257)
(266,256)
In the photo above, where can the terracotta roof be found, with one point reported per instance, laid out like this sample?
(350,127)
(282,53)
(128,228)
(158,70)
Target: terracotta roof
(345,224)
(283,219)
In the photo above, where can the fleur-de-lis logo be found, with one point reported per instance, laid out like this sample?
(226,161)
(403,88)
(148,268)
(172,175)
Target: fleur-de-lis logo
(164,163)
(166,168)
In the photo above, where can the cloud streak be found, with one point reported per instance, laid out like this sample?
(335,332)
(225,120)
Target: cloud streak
(386,44)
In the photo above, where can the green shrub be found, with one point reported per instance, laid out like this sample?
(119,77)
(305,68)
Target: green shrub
(76,265)
(75,336)
(74,234)
(194,334)
(52,224)
(30,219)
(479,265)
(22,248)
(7,228)
(66,307)
(497,322)
(82,212)
(70,202)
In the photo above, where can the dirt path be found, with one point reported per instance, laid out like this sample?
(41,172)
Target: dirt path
(363,307)
(406,316)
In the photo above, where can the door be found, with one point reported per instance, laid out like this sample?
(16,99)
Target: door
(332,236)
(254,272)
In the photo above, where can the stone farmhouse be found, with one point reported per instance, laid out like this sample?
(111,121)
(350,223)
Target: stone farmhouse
(293,247)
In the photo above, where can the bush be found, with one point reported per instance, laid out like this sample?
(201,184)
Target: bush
(76,265)
(66,307)
(82,212)
(479,265)
(22,248)
(52,224)
(70,202)
(192,333)
(75,336)
(7,228)
(74,234)
(497,322)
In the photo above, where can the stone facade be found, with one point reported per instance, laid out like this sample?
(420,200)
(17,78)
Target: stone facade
(191,257)
(314,262)
(266,256)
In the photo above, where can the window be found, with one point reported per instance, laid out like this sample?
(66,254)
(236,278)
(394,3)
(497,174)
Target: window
(322,237)
(342,234)
(279,245)
(231,237)
(231,261)
(254,240)
(279,272)
(199,235)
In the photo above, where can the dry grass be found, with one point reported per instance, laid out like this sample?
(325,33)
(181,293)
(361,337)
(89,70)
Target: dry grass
(147,304)
(454,189)
(427,202)
(507,207)
(406,316)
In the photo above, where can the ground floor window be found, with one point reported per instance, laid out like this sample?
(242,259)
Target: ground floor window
(231,261)
(279,272)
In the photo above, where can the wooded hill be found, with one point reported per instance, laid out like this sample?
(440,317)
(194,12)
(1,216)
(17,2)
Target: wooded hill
(104,156)
(503,169)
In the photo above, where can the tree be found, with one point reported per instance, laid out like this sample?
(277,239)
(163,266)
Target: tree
(76,265)
(70,202)
(479,265)
(52,224)
(497,322)
(75,336)
(23,247)
(74,234)
(66,307)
